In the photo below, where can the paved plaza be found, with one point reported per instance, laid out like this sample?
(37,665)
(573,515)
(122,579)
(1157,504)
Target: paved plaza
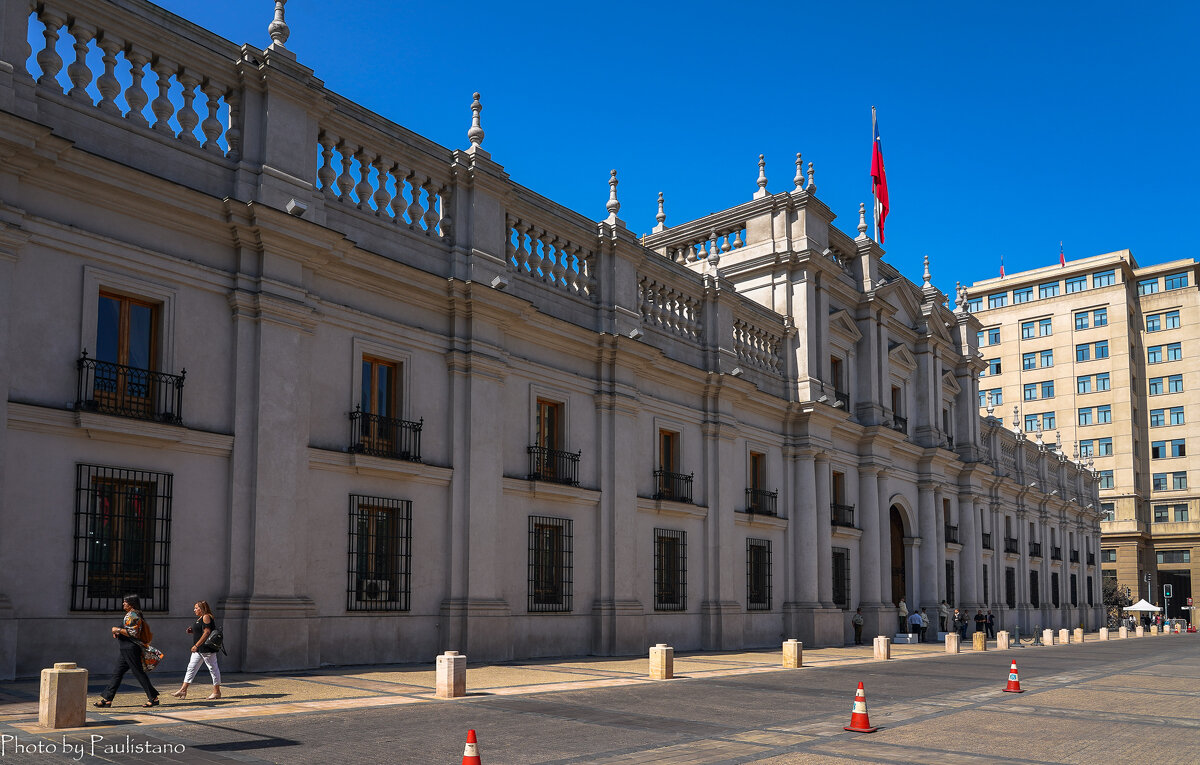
(1115,701)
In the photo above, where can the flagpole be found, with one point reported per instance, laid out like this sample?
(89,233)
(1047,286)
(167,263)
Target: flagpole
(874,201)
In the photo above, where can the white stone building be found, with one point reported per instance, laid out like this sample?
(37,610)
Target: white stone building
(426,408)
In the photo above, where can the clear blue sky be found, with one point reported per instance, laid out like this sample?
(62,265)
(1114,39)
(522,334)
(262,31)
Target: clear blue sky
(1006,128)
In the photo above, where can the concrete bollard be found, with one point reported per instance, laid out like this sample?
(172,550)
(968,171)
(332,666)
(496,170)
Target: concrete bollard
(662,662)
(952,643)
(62,702)
(1002,638)
(451,675)
(1123,632)
(1047,637)
(793,654)
(979,641)
(1104,633)
(1140,631)
(1153,629)
(883,647)
(1078,637)
(1064,636)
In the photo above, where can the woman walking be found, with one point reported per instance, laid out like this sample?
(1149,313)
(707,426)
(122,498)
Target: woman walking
(201,630)
(130,636)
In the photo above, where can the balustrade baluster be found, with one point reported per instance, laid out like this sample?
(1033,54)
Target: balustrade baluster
(326,175)
(135,94)
(446,223)
(383,197)
(560,264)
(576,271)
(547,256)
(233,133)
(48,59)
(737,239)
(345,181)
(725,243)
(415,211)
(107,83)
(211,127)
(162,106)
(78,71)
(364,189)
(187,116)
(510,249)
(431,207)
(398,203)
(535,255)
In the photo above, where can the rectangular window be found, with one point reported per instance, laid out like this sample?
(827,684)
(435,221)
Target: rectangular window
(1023,295)
(668,451)
(1076,284)
(993,366)
(1083,384)
(1102,381)
(975,305)
(1175,384)
(1104,447)
(1181,513)
(1147,286)
(1031,423)
(1108,556)
(1048,290)
(1100,349)
(1109,509)
(1158,450)
(1174,351)
(1104,413)
(1158,482)
(996,394)
(379,571)
(550,554)
(758,470)
(999,300)
(985,584)
(1179,480)
(1085,416)
(1081,320)
(670,570)
(993,336)
(1028,361)
(1087,448)
(549,424)
(1161,513)
(1083,352)
(122,538)
(1171,320)
(1103,279)
(1029,392)
(1047,358)
(1153,322)
(1154,354)
(1106,479)
(1045,328)
(841,577)
(1074,590)
(1177,281)
(950,582)
(1177,415)
(1156,386)
(1054,588)
(1027,331)
(758,575)
(1010,586)
(121,377)
(1174,556)
(1179,447)
(1100,317)
(1048,421)
(1035,595)
(1158,418)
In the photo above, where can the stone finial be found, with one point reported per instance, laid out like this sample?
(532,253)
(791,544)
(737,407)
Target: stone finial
(960,296)
(1016,418)
(1058,439)
(662,216)
(799,179)
(812,179)
(714,256)
(926,284)
(862,218)
(762,177)
(991,405)
(475,134)
(278,28)
(614,205)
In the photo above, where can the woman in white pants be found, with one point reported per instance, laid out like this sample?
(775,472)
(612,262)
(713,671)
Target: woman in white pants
(205,624)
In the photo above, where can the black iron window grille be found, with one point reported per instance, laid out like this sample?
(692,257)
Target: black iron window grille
(1010,545)
(1035,597)
(900,424)
(553,465)
(841,577)
(950,582)
(986,588)
(1055,553)
(951,534)
(379,436)
(1054,588)
(675,487)
(670,570)
(1089,591)
(762,502)
(987,541)
(1035,549)
(1074,590)
(1074,556)
(841,515)
(758,575)
(108,388)
(1091,562)
(379,572)
(550,585)
(1010,587)
(122,538)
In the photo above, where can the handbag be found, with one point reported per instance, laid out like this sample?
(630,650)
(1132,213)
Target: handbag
(151,656)
(215,642)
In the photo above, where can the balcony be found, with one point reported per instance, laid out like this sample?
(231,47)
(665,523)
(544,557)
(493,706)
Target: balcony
(900,424)
(842,397)
(378,436)
(1035,549)
(1055,553)
(841,515)
(987,541)
(107,388)
(1010,545)
(761,501)
(553,465)
(951,534)
(675,487)
(1091,559)
(1074,556)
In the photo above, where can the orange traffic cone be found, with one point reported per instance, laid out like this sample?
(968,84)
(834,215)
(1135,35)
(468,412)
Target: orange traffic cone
(1014,685)
(471,753)
(859,722)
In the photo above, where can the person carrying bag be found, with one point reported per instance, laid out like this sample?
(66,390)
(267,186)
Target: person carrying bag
(207,640)
(133,640)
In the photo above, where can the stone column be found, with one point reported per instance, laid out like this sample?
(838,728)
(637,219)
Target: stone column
(969,560)
(885,542)
(806,522)
(928,552)
(868,502)
(824,534)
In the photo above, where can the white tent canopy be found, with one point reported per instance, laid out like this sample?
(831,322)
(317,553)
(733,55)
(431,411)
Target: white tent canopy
(1142,605)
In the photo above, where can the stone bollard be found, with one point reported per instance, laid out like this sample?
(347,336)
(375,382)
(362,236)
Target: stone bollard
(1002,638)
(1078,638)
(793,654)
(1153,629)
(883,647)
(63,699)
(451,675)
(952,643)
(1123,632)
(1064,636)
(662,662)
(1104,633)
(1140,631)
(979,641)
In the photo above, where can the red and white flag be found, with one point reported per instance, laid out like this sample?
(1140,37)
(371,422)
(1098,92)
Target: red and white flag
(878,178)
(1062,259)
(1001,266)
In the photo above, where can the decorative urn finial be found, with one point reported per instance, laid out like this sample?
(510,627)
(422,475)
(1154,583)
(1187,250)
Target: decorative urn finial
(926,284)
(799,179)
(862,219)
(762,177)
(662,216)
(475,134)
(614,205)
(278,28)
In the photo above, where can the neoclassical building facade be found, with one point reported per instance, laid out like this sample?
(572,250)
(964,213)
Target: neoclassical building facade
(373,399)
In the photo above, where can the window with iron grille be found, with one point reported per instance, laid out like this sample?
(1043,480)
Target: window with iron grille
(122,538)
(379,571)
(550,586)
(758,575)
(1054,588)
(1089,590)
(841,577)
(986,600)
(1035,597)
(950,582)
(1010,586)
(670,570)
(1074,589)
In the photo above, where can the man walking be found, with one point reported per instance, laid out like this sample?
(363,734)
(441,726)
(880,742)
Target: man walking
(914,623)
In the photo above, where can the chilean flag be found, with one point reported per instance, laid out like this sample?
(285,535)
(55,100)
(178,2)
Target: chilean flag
(878,177)
(1062,259)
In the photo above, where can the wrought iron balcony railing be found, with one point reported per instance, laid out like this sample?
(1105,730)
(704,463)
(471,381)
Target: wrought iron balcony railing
(987,541)
(841,515)
(761,501)
(1010,545)
(900,424)
(1074,556)
(108,388)
(379,436)
(1091,559)
(553,465)
(951,534)
(675,487)
(1035,549)
(1055,553)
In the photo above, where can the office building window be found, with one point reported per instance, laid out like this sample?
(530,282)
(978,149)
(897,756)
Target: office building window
(1104,413)
(1171,320)
(1158,418)
(1031,423)
(1023,295)
(1047,358)
(1174,556)
(1176,413)
(1081,320)
(1161,513)
(1048,290)
(1085,416)
(1109,509)
(1154,354)
(1083,352)
(1104,447)
(1102,381)
(1048,389)
(1179,480)
(1028,361)
(670,570)
(550,564)
(1158,482)
(1083,384)
(1147,286)
(1175,384)
(1177,281)
(993,336)
(1100,349)
(1154,322)
(1106,479)
(1179,447)
(975,305)
(1087,448)
(1045,328)
(1076,284)
(1029,391)
(1027,330)
(1181,513)
(1108,556)
(1103,279)
(1100,317)
(999,300)
(380,554)
(1174,351)
(1048,421)
(1156,386)
(993,366)
(758,574)
(997,397)
(1158,450)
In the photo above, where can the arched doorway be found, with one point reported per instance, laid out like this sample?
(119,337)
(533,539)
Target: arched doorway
(899,580)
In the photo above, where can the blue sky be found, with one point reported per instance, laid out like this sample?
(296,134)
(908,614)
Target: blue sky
(1006,128)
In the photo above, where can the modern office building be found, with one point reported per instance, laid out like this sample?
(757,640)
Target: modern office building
(373,399)
(1103,353)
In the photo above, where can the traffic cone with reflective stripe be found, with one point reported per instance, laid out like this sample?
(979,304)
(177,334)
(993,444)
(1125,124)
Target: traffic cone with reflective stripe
(859,722)
(471,753)
(1014,685)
